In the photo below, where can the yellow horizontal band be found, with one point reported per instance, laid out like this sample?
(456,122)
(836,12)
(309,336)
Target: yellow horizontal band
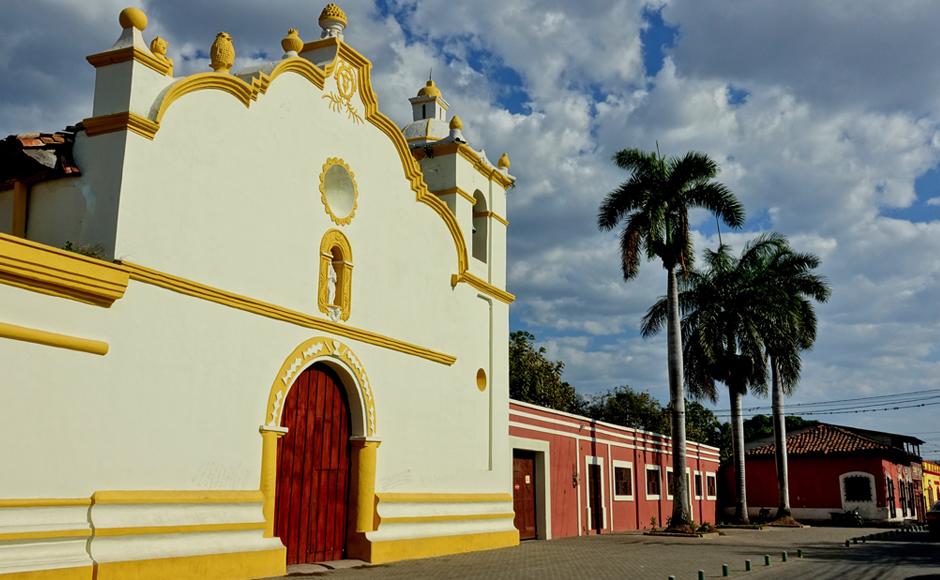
(45,502)
(410,548)
(221,566)
(197,290)
(443,497)
(120,55)
(76,573)
(181,529)
(493,215)
(52,339)
(444,518)
(130,497)
(44,535)
(458,191)
(483,286)
(121,122)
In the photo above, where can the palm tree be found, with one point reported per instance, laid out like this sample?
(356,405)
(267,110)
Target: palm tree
(792,329)
(727,309)
(653,204)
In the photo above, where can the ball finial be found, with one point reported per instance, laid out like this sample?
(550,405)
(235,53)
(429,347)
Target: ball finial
(292,43)
(503,162)
(456,123)
(133,18)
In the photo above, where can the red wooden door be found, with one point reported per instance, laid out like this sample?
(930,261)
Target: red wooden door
(313,469)
(523,494)
(594,498)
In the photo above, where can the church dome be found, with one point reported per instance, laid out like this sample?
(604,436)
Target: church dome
(425,131)
(429,90)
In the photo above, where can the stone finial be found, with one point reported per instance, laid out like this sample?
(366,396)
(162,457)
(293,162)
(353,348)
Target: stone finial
(456,123)
(222,53)
(292,43)
(503,162)
(332,21)
(456,130)
(133,18)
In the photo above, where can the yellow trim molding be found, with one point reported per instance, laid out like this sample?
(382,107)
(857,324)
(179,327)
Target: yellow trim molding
(338,220)
(44,535)
(230,299)
(53,339)
(443,497)
(445,518)
(121,122)
(458,191)
(120,55)
(45,502)
(45,269)
(225,566)
(77,573)
(482,286)
(476,160)
(336,255)
(493,215)
(135,497)
(412,548)
(181,529)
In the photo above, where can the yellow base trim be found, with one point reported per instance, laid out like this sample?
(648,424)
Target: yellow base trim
(184,529)
(49,270)
(44,502)
(443,497)
(445,518)
(80,573)
(44,535)
(409,549)
(232,566)
(483,286)
(197,290)
(47,338)
(131,497)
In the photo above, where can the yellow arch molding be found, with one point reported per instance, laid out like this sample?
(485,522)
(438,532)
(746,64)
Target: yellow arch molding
(247,92)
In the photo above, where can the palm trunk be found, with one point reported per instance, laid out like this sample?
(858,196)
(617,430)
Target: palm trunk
(780,443)
(737,436)
(681,510)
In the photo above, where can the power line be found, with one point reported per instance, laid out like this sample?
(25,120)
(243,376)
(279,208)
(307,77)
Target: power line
(872,405)
(853,400)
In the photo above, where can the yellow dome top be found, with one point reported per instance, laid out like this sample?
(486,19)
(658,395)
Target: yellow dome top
(133,18)
(429,90)
(456,123)
(503,162)
(332,12)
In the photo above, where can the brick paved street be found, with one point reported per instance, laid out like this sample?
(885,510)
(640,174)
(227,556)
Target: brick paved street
(641,557)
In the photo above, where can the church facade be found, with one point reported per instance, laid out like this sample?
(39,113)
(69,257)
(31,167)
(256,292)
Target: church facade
(250,322)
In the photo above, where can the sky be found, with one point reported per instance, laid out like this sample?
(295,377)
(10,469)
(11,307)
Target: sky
(824,118)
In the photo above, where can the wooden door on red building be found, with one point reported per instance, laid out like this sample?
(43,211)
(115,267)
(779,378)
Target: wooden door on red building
(595,498)
(523,494)
(313,469)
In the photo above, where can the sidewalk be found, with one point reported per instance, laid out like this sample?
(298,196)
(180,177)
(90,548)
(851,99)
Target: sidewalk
(641,557)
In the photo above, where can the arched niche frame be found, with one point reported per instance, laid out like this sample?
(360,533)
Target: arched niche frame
(363,442)
(336,259)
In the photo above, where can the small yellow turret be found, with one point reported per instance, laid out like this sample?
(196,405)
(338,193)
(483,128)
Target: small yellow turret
(456,123)
(429,90)
(503,162)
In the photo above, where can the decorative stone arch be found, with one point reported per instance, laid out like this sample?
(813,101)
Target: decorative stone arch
(341,359)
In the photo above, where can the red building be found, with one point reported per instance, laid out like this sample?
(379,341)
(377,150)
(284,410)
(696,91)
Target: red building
(574,476)
(834,469)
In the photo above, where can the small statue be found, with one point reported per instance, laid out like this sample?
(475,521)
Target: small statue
(158,47)
(331,284)
(222,53)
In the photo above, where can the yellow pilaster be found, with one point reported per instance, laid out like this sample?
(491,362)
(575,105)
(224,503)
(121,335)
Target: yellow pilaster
(269,437)
(363,482)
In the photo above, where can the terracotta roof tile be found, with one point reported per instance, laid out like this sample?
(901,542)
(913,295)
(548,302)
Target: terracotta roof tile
(823,439)
(36,157)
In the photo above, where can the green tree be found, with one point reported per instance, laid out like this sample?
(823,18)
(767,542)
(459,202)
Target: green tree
(653,206)
(624,406)
(726,307)
(533,378)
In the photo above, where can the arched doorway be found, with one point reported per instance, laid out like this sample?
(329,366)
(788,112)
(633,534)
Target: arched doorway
(313,468)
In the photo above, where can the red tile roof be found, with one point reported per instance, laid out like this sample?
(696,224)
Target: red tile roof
(823,439)
(36,157)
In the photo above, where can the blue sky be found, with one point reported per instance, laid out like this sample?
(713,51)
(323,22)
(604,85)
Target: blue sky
(824,116)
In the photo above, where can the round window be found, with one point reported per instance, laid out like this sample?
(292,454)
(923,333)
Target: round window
(338,191)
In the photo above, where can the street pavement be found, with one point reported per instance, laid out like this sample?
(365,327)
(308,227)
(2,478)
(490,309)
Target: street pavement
(640,557)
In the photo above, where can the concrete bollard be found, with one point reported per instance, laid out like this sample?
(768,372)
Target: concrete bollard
(701,575)
(847,543)
(783,556)
(747,565)
(672,578)
(724,570)
(766,559)
(799,553)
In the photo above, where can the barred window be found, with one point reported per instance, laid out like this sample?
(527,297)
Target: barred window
(857,488)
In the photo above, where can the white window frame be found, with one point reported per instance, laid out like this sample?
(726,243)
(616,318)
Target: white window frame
(666,482)
(714,476)
(659,476)
(613,472)
(598,461)
(701,477)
